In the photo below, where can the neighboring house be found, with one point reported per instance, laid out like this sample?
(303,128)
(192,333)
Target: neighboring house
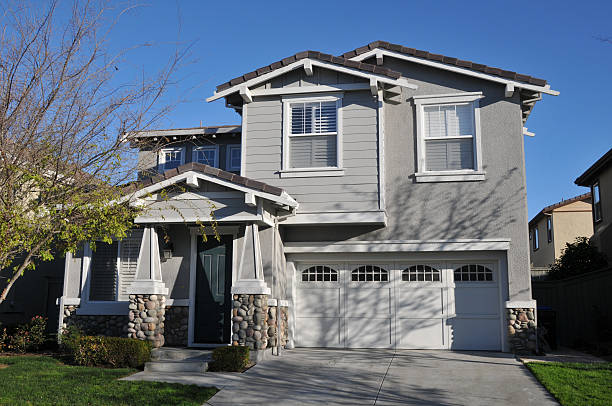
(378,197)
(556,225)
(599,178)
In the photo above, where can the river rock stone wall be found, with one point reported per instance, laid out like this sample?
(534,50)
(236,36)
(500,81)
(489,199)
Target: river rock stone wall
(98,325)
(522,330)
(272,325)
(146,318)
(176,326)
(249,321)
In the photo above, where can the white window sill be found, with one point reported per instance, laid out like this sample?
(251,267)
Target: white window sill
(311,172)
(450,176)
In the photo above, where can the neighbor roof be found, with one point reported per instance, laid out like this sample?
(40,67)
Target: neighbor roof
(446,60)
(549,209)
(602,163)
(336,60)
(217,129)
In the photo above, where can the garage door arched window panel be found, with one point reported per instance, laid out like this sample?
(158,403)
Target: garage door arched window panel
(369,273)
(473,273)
(319,273)
(421,273)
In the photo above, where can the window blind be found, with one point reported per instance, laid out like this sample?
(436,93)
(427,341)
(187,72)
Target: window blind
(130,248)
(103,272)
(313,139)
(313,118)
(313,151)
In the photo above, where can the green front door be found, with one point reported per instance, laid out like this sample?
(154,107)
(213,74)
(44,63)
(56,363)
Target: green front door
(213,297)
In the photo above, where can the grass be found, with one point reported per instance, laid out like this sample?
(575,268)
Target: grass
(35,380)
(576,384)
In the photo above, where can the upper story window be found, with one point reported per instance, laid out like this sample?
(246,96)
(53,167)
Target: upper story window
(536,239)
(170,158)
(448,138)
(312,134)
(596,202)
(207,155)
(233,157)
(549,228)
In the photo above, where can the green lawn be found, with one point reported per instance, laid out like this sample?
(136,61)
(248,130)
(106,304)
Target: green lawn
(576,383)
(32,380)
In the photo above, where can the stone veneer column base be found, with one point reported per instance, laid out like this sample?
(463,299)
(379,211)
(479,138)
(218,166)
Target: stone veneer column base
(249,317)
(176,326)
(522,330)
(146,318)
(97,325)
(272,326)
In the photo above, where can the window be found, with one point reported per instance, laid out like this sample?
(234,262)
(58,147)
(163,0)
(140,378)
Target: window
(207,155)
(170,158)
(319,273)
(596,202)
(549,228)
(312,134)
(448,138)
(233,158)
(536,239)
(473,273)
(421,273)
(370,273)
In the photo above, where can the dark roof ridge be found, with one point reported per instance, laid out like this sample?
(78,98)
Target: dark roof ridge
(562,203)
(337,60)
(446,60)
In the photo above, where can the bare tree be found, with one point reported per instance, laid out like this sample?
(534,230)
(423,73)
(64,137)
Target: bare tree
(65,123)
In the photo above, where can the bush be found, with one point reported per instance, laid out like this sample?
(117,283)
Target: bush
(115,352)
(578,258)
(25,337)
(230,359)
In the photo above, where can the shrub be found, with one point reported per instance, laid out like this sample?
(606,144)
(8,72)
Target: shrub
(577,258)
(25,337)
(229,359)
(69,339)
(115,352)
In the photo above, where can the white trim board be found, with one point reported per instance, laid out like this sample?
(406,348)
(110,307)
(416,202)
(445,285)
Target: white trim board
(398,245)
(313,62)
(366,217)
(464,71)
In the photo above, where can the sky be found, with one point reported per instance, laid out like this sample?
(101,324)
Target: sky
(559,41)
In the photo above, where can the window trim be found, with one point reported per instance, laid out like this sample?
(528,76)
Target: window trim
(161,157)
(286,170)
(421,174)
(215,148)
(595,218)
(228,157)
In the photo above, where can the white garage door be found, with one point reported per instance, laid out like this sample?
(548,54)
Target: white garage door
(403,305)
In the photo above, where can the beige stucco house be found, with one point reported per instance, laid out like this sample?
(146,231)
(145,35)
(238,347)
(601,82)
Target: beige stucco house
(599,178)
(556,225)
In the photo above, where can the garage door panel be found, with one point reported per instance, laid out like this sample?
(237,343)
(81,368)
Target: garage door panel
(481,300)
(319,332)
(416,302)
(368,301)
(318,302)
(475,334)
(364,332)
(424,333)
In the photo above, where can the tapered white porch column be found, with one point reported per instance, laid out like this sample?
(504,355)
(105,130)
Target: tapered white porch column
(250,276)
(148,268)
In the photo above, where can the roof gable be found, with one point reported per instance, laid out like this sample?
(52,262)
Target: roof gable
(562,203)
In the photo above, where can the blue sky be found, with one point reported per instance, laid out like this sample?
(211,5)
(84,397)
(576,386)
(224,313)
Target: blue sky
(557,41)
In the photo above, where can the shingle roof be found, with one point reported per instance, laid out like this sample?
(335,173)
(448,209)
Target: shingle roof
(211,171)
(216,129)
(336,60)
(595,169)
(562,203)
(446,60)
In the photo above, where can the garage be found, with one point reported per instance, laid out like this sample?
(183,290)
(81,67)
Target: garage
(443,305)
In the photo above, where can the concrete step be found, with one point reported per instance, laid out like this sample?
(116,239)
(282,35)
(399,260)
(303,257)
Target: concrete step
(176,366)
(180,354)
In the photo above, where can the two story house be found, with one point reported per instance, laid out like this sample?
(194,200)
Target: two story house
(555,226)
(370,200)
(598,177)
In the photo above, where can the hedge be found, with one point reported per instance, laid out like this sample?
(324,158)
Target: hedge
(229,359)
(115,352)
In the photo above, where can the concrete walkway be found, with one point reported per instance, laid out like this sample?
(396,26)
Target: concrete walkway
(377,377)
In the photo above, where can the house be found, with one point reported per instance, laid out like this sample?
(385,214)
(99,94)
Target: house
(375,199)
(556,225)
(599,179)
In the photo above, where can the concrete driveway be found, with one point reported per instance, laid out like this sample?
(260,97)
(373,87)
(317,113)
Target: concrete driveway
(385,377)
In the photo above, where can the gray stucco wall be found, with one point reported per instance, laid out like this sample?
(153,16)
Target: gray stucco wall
(603,228)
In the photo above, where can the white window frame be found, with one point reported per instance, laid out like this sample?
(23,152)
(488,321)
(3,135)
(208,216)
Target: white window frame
(214,148)
(549,235)
(286,170)
(423,175)
(161,158)
(536,239)
(597,216)
(228,157)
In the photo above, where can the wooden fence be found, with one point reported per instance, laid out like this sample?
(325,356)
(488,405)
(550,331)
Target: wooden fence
(581,305)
